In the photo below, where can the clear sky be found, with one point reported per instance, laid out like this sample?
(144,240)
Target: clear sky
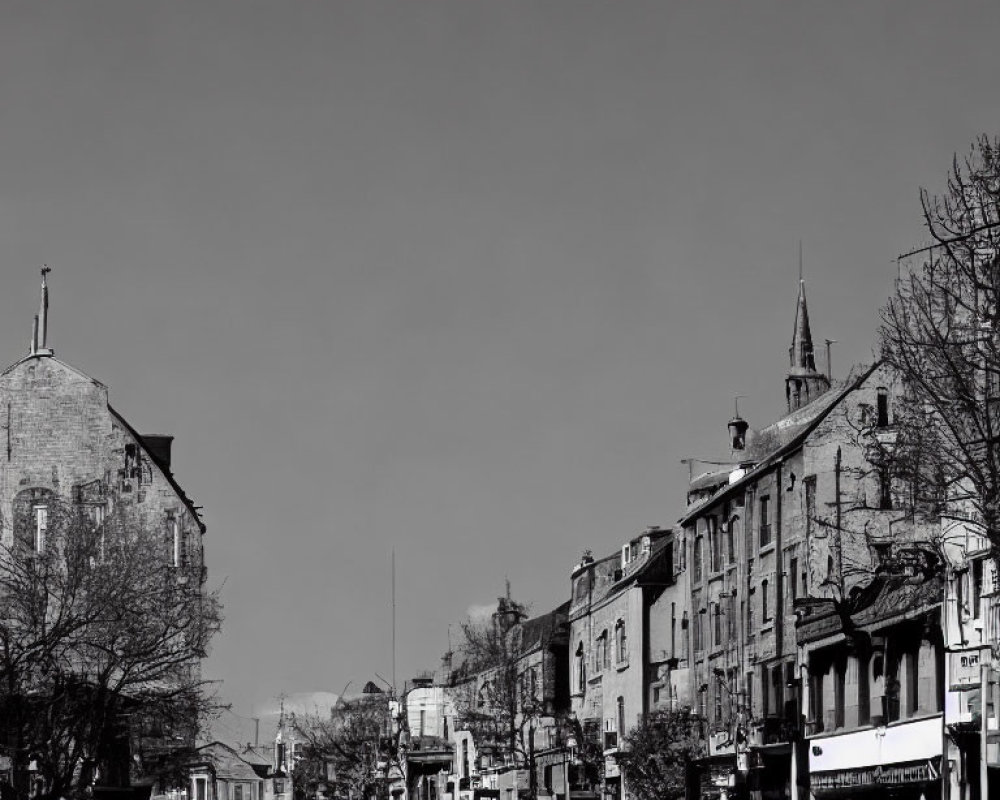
(464,279)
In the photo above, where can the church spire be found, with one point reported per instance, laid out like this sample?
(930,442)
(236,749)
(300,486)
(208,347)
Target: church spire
(803,384)
(800,354)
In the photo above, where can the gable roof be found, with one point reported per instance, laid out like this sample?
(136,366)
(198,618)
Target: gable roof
(770,445)
(140,440)
(540,631)
(225,762)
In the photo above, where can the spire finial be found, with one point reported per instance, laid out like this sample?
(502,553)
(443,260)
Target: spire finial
(800,262)
(41,340)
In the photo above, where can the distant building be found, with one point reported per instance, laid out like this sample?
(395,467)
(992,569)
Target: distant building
(218,772)
(626,652)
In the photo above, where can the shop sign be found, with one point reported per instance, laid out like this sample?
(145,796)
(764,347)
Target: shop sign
(964,669)
(889,774)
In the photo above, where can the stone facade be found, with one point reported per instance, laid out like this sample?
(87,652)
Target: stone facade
(615,605)
(63,440)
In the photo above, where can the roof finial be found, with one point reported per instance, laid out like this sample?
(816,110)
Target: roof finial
(42,344)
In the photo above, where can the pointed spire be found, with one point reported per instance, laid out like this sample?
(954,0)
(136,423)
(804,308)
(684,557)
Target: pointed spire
(800,354)
(803,384)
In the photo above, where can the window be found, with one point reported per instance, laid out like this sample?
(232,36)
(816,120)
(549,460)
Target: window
(864,692)
(882,400)
(601,655)
(715,542)
(809,487)
(751,622)
(581,669)
(699,614)
(764,610)
(765,521)
(911,662)
(732,531)
(884,488)
(717,619)
(793,571)
(621,641)
(777,691)
(673,630)
(465,758)
(892,687)
(41,527)
(200,788)
(976,567)
(750,694)
(237,791)
(804,586)
(731,619)
(839,682)
(717,691)
(696,556)
(423,720)
(816,700)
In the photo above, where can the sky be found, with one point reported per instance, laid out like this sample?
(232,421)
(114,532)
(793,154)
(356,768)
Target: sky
(459,280)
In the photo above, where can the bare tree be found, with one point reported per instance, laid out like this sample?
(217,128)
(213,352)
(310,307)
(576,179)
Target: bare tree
(353,750)
(493,699)
(939,332)
(100,645)
(658,752)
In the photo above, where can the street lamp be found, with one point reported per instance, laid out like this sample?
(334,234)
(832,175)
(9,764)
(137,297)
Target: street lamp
(529,709)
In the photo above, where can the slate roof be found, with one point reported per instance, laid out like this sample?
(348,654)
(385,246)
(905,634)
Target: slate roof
(770,444)
(540,631)
(225,762)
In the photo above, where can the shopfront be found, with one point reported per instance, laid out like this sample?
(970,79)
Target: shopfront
(899,761)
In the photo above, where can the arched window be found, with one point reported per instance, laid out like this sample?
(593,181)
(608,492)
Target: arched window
(602,655)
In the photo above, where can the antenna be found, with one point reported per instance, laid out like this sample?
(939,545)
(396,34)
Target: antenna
(736,403)
(394,622)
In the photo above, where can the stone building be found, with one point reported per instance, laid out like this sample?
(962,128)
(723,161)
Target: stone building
(800,522)
(508,723)
(618,665)
(64,446)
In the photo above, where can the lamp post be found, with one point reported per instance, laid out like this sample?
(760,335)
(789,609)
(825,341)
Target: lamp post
(529,709)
